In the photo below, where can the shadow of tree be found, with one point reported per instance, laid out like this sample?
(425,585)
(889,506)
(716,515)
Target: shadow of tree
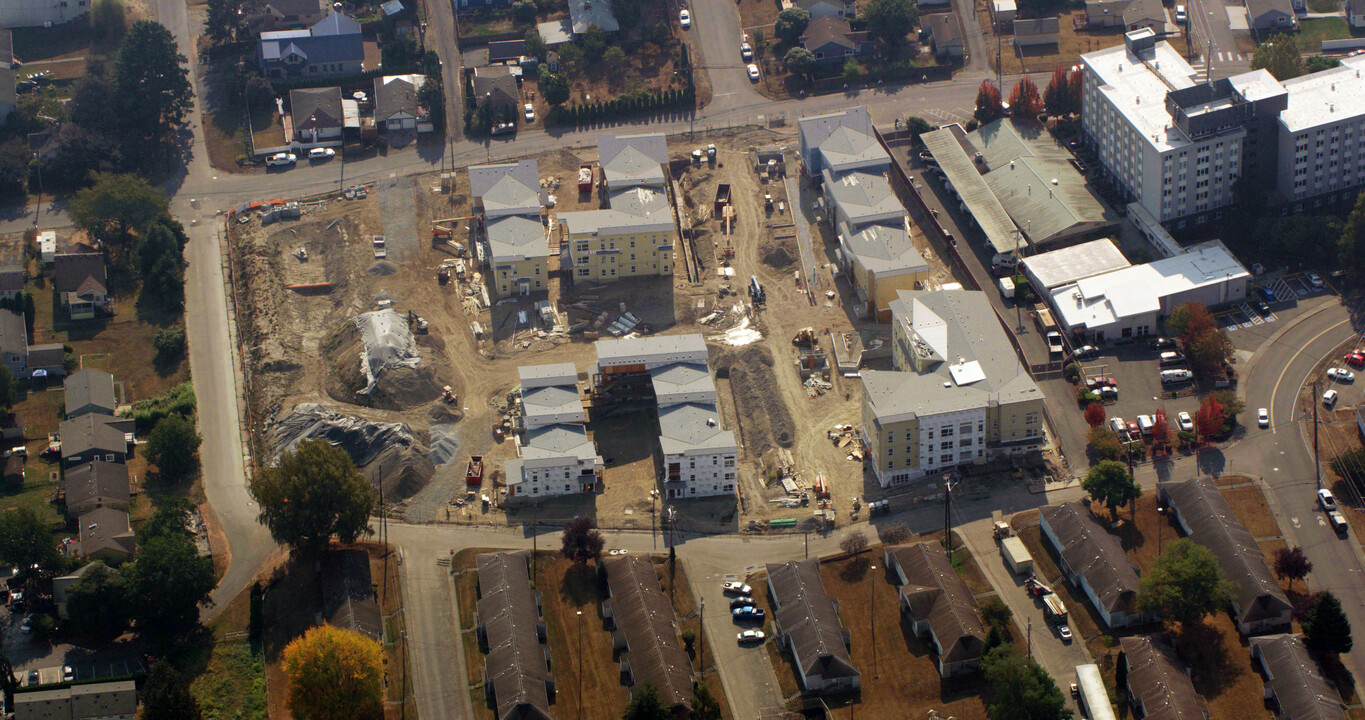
(1211,667)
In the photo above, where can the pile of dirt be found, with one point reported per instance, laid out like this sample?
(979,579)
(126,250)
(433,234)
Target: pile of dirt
(777,255)
(396,383)
(763,415)
(382,268)
(391,452)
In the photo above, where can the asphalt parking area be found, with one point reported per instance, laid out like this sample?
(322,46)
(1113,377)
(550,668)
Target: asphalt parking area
(1137,369)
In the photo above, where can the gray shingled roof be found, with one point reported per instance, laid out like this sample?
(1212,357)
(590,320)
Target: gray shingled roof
(106,529)
(1205,511)
(349,599)
(13,333)
(933,591)
(884,248)
(815,130)
(509,616)
(11,277)
(71,270)
(508,188)
(558,441)
(516,237)
(863,196)
(1157,681)
(693,426)
(315,107)
(659,348)
(681,378)
(595,221)
(585,13)
(394,95)
(964,322)
(1094,554)
(550,400)
(537,373)
(1259,8)
(1303,693)
(91,432)
(641,201)
(495,84)
(946,145)
(642,612)
(96,479)
(89,387)
(632,159)
(807,614)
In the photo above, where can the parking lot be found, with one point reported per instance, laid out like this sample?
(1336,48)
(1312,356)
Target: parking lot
(1280,296)
(47,658)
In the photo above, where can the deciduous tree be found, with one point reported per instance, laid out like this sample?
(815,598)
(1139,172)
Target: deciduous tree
(799,61)
(25,540)
(581,542)
(890,20)
(334,674)
(1025,104)
(1351,244)
(988,104)
(1279,56)
(1208,419)
(1105,443)
(645,705)
(1109,483)
(1094,415)
(166,563)
(1057,98)
(791,23)
(1292,564)
(1021,688)
(116,206)
(1185,584)
(98,602)
(1325,626)
(554,88)
(1161,428)
(166,695)
(854,542)
(918,126)
(704,705)
(312,494)
(173,447)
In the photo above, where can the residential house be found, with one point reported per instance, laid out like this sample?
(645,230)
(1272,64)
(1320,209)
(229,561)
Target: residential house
(11,276)
(1259,604)
(349,600)
(841,142)
(583,14)
(93,437)
(332,47)
(96,701)
(946,35)
(1145,14)
(495,86)
(957,394)
(316,114)
(1105,13)
(396,106)
(829,8)
(939,605)
(291,14)
(1157,684)
(500,51)
(1036,31)
(645,633)
(506,189)
(1355,14)
(14,342)
(1294,681)
(832,41)
(1093,560)
(1271,16)
(61,586)
(105,534)
(806,621)
(41,13)
(89,391)
(81,284)
(511,631)
(699,453)
(95,485)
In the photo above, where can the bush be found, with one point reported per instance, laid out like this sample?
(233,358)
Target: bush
(1072,373)
(178,400)
(169,343)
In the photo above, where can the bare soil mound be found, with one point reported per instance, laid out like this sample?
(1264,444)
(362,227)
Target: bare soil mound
(764,415)
(391,453)
(398,388)
(777,256)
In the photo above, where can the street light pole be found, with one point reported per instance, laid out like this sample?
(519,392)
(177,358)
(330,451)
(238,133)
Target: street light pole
(873,613)
(579,670)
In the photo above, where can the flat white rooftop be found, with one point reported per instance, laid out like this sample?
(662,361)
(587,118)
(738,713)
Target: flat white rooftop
(1138,89)
(1061,267)
(1325,97)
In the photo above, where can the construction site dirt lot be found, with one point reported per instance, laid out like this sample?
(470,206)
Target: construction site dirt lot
(302,346)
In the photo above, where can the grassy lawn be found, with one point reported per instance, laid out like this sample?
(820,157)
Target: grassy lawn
(1314,30)
(1071,42)
(903,681)
(1324,6)
(1248,503)
(225,134)
(231,682)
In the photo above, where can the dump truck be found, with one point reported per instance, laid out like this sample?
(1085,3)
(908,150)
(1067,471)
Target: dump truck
(585,178)
(1053,609)
(473,473)
(722,197)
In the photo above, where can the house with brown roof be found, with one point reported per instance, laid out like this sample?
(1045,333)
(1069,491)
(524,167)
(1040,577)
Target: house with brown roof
(1094,561)
(316,114)
(511,631)
(645,632)
(1294,681)
(495,85)
(11,277)
(806,620)
(95,485)
(105,534)
(348,597)
(1030,32)
(1158,685)
(80,283)
(1259,604)
(829,8)
(939,605)
(946,35)
(831,40)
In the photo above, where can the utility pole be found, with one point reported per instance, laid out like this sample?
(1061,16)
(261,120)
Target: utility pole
(1317,466)
(807,534)
(579,670)
(1030,638)
(873,614)
(948,513)
(701,638)
(535,537)
(1018,309)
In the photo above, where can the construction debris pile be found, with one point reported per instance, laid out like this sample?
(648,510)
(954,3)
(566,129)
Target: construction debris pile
(389,344)
(393,452)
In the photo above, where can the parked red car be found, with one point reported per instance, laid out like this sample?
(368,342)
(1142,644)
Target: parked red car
(1356,359)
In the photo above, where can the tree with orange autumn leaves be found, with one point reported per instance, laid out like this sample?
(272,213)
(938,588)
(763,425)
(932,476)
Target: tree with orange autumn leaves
(334,674)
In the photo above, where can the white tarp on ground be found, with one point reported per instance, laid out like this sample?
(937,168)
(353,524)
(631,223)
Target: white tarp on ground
(364,440)
(388,343)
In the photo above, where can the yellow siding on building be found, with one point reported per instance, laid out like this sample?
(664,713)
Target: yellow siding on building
(603,257)
(504,279)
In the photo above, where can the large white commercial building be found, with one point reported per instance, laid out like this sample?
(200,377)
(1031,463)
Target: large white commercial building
(1176,147)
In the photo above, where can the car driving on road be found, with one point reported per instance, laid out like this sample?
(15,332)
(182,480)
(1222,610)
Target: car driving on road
(1263,417)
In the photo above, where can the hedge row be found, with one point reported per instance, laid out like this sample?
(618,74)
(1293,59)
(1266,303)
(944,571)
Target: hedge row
(179,400)
(624,106)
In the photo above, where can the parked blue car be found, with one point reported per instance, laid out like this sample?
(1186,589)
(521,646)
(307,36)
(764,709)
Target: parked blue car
(747,613)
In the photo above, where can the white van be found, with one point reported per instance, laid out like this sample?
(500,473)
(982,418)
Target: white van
(1171,377)
(1172,358)
(1329,399)
(1145,423)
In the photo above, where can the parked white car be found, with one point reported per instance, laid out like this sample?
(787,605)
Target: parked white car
(1185,421)
(685,18)
(530,112)
(738,588)
(1327,500)
(753,72)
(281,159)
(321,153)
(1263,418)
(750,636)
(1340,374)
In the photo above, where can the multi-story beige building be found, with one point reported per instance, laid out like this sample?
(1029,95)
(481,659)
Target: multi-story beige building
(508,199)
(958,393)
(635,235)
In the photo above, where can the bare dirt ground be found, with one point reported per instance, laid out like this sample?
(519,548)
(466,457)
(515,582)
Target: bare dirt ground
(301,346)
